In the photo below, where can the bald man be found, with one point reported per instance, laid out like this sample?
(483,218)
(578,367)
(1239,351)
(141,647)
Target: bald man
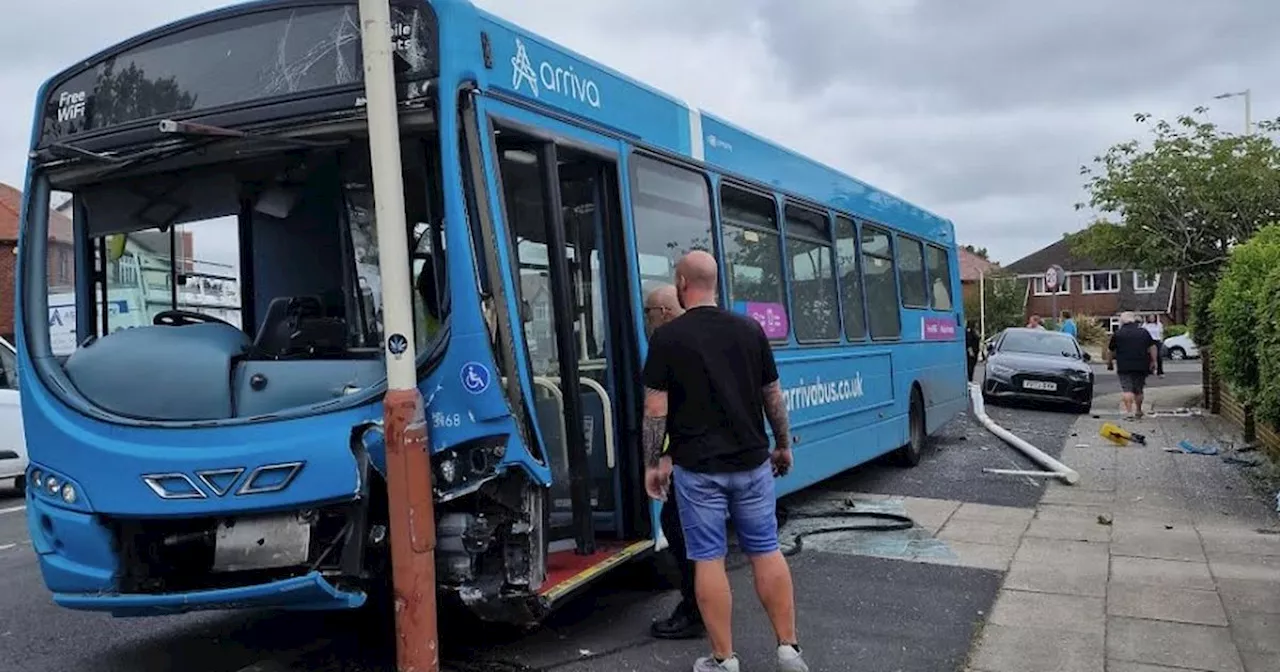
(660,307)
(713,372)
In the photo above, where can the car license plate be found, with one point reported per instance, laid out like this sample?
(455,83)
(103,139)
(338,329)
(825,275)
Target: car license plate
(1040,385)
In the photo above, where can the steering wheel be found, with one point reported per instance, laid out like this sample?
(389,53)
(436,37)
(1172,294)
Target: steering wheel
(182,318)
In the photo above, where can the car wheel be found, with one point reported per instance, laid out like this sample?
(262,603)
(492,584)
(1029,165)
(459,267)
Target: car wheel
(910,454)
(1177,353)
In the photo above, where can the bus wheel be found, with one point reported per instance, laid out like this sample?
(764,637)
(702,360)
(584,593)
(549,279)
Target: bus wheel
(910,454)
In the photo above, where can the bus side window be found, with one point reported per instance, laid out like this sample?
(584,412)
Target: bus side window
(672,213)
(855,321)
(915,290)
(939,277)
(884,319)
(752,259)
(813,276)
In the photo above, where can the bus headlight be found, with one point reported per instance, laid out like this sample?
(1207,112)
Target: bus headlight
(68,493)
(448,471)
(53,485)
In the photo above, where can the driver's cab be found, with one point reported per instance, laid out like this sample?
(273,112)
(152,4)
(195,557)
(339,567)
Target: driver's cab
(246,288)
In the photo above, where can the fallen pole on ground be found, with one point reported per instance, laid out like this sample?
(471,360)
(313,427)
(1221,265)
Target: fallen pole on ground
(1055,469)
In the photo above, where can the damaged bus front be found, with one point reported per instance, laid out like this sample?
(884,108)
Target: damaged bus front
(200,324)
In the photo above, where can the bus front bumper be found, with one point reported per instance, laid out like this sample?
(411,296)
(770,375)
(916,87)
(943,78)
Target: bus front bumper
(309,592)
(80,568)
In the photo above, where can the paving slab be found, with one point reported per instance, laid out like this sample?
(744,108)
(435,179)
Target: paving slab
(1017,649)
(1257,633)
(1078,525)
(1067,613)
(1260,662)
(1172,644)
(982,532)
(1121,666)
(1264,568)
(1161,543)
(1153,572)
(1063,567)
(1224,540)
(1165,603)
(1249,596)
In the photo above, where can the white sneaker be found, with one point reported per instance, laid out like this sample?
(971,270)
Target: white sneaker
(790,660)
(709,664)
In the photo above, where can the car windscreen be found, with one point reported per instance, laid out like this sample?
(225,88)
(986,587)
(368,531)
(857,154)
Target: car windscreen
(1039,343)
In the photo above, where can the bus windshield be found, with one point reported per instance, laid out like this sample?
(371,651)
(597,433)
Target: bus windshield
(279,250)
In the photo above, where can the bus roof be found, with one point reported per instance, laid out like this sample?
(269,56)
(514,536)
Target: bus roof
(548,74)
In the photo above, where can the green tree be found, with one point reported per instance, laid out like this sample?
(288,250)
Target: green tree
(979,251)
(1006,303)
(1182,201)
(1239,311)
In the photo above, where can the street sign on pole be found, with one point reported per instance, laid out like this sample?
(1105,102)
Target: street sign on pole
(409,497)
(1053,278)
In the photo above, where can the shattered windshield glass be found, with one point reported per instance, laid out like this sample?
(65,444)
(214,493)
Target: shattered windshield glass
(234,61)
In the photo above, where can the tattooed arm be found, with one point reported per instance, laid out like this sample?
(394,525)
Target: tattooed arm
(775,409)
(655,425)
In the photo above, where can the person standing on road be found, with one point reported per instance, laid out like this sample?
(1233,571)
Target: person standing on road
(660,307)
(710,380)
(1133,354)
(1034,322)
(972,343)
(1156,328)
(1068,324)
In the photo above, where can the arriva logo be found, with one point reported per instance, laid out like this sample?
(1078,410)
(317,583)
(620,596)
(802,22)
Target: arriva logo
(546,76)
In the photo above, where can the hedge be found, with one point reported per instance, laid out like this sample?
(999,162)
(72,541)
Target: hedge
(1243,317)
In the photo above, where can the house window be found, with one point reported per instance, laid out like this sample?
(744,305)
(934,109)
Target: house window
(1038,288)
(1145,283)
(1102,283)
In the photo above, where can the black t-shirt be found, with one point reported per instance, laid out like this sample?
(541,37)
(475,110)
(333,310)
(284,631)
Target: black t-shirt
(1131,345)
(713,365)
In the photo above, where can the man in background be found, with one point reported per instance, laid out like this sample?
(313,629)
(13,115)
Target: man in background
(1133,354)
(660,307)
(1068,324)
(972,344)
(1156,328)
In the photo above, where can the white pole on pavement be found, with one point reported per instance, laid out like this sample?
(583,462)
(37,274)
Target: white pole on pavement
(1055,468)
(409,497)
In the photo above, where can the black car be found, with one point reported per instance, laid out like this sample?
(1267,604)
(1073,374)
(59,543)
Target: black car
(1038,365)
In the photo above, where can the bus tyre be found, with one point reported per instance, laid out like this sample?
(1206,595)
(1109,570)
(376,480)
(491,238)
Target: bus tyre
(910,454)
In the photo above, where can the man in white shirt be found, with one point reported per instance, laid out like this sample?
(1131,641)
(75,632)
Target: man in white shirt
(1156,328)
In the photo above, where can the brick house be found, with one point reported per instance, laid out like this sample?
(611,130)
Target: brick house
(1099,291)
(972,268)
(61,254)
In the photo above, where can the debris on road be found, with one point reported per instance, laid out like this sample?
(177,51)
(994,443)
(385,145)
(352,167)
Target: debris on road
(1247,461)
(1207,449)
(1105,519)
(1121,436)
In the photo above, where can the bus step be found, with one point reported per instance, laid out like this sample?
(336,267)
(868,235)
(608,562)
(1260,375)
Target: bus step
(567,571)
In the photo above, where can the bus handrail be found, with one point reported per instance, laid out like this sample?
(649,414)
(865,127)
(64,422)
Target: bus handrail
(552,387)
(606,404)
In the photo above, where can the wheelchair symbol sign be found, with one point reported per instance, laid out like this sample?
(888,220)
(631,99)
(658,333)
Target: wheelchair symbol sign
(475,377)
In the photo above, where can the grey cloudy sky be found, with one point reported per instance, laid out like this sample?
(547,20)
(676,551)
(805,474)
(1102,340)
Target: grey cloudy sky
(981,110)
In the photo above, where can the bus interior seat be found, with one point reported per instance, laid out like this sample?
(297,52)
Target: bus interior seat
(297,325)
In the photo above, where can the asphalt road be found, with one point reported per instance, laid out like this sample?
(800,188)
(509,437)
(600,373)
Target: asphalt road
(859,612)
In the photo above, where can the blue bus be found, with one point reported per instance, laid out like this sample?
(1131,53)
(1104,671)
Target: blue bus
(220,447)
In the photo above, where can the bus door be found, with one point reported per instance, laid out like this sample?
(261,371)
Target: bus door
(562,210)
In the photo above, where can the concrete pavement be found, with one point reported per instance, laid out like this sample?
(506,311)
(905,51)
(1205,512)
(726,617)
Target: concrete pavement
(1154,562)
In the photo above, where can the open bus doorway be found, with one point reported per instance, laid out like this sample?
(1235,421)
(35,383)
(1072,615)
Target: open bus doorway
(563,215)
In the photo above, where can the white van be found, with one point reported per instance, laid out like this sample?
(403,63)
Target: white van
(13,445)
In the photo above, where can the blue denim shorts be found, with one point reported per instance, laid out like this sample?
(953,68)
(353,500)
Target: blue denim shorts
(747,497)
